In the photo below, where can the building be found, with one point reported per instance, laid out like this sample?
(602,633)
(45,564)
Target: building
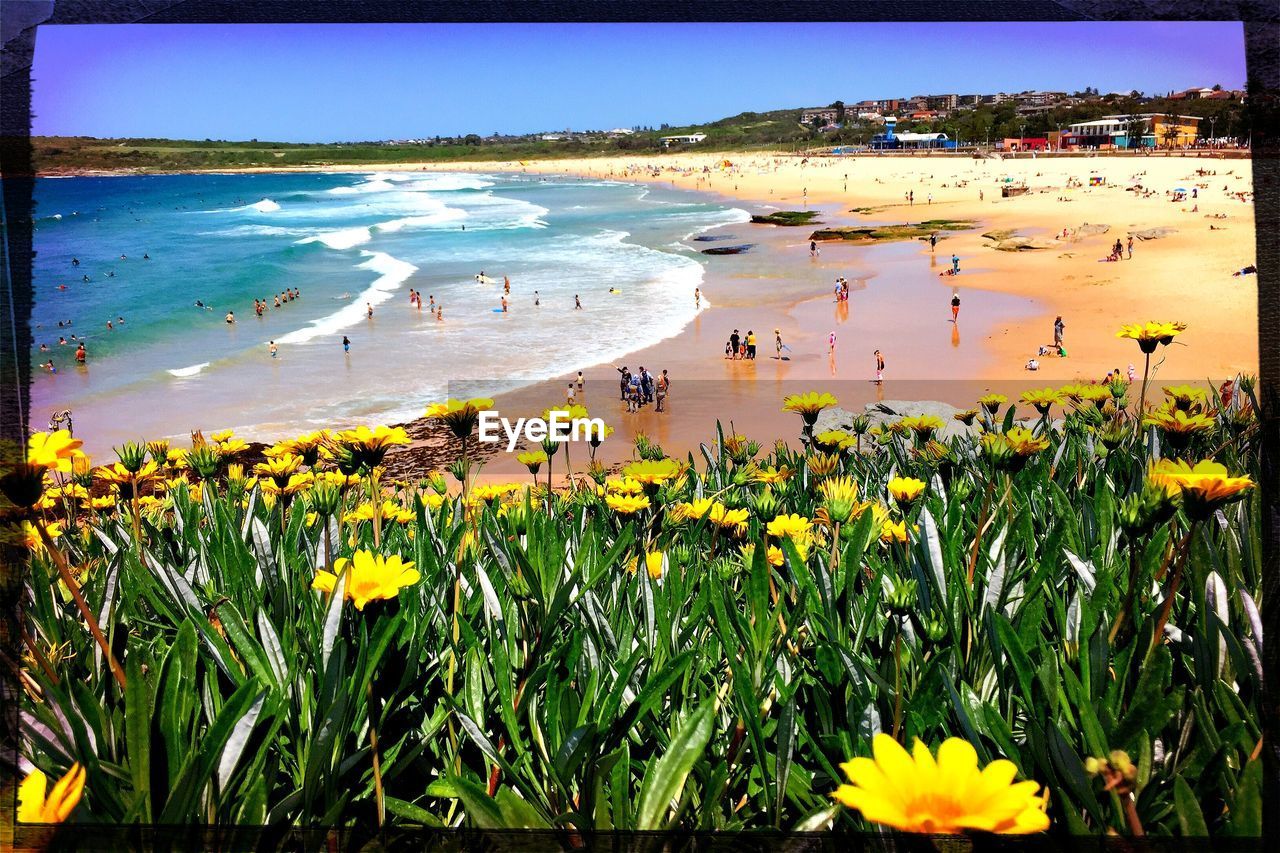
(889,141)
(1039,99)
(1162,130)
(942,102)
(827,114)
(1025,143)
(686,139)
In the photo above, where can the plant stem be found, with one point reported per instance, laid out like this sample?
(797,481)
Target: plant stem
(379,801)
(1185,548)
(1142,400)
(69,579)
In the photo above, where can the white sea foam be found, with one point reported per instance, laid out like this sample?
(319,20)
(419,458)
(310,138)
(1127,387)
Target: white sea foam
(340,238)
(265,205)
(189,371)
(392,272)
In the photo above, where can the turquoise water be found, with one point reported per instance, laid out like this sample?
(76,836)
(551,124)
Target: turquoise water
(347,242)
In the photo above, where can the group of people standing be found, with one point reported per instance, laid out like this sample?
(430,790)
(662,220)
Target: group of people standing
(260,305)
(740,348)
(640,388)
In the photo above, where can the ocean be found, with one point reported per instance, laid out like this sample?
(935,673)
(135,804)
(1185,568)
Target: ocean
(150,247)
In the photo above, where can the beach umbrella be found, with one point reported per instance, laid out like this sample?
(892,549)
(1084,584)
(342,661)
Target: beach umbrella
(1179,190)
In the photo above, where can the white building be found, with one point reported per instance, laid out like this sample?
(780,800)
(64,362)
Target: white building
(687,139)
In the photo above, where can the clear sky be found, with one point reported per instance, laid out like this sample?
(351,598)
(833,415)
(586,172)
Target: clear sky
(318,83)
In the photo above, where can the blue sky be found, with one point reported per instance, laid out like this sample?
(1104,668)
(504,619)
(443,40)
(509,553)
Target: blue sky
(318,83)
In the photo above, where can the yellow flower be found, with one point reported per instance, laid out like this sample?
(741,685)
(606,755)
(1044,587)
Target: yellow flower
(946,795)
(733,519)
(1204,487)
(1042,399)
(624,486)
(35,806)
(696,509)
(104,502)
(822,464)
(922,425)
(369,446)
(808,405)
(966,417)
(655,562)
(31,535)
(833,439)
(533,460)
(231,446)
(797,527)
(370,577)
(626,504)
(991,402)
(1151,333)
(390,511)
(653,473)
(490,492)
(894,531)
(338,479)
(70,491)
(904,490)
(1071,392)
(773,554)
(1185,396)
(839,498)
(1178,422)
(460,416)
(1022,442)
(279,468)
(431,500)
(54,450)
(118,474)
(769,474)
(221,436)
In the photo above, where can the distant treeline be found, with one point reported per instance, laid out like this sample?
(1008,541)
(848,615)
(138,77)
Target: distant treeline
(780,129)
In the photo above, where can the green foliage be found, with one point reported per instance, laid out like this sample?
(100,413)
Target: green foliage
(530,679)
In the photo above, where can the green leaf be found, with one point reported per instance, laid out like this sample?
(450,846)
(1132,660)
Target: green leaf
(1246,806)
(1190,819)
(665,778)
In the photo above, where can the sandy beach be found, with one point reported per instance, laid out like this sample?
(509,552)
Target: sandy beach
(901,305)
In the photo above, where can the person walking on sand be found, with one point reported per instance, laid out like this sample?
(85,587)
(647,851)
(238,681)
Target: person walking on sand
(569,395)
(697,298)
(879,368)
(813,248)
(733,342)
(1058,328)
(369,310)
(271,348)
(751,345)
(933,241)
(831,343)
(346,344)
(955,306)
(777,342)
(663,386)
(504,305)
(1130,247)
(581,382)
(955,264)
(577,303)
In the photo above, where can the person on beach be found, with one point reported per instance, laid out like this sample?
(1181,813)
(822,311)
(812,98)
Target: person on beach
(80,354)
(271,348)
(231,318)
(697,298)
(733,342)
(777,342)
(663,386)
(504,305)
(728,349)
(933,241)
(1058,328)
(1132,373)
(48,365)
(506,285)
(536,299)
(831,343)
(979,195)
(581,382)
(879,368)
(577,303)
(346,344)
(1130,247)
(751,345)
(646,385)
(277,300)
(911,197)
(955,264)
(813,248)
(431,304)
(955,306)
(624,380)
(569,396)
(368,306)
(439,313)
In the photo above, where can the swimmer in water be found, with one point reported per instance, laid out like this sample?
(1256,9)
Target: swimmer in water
(231,317)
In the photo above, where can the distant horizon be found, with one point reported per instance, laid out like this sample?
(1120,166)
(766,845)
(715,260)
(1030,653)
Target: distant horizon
(324,84)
